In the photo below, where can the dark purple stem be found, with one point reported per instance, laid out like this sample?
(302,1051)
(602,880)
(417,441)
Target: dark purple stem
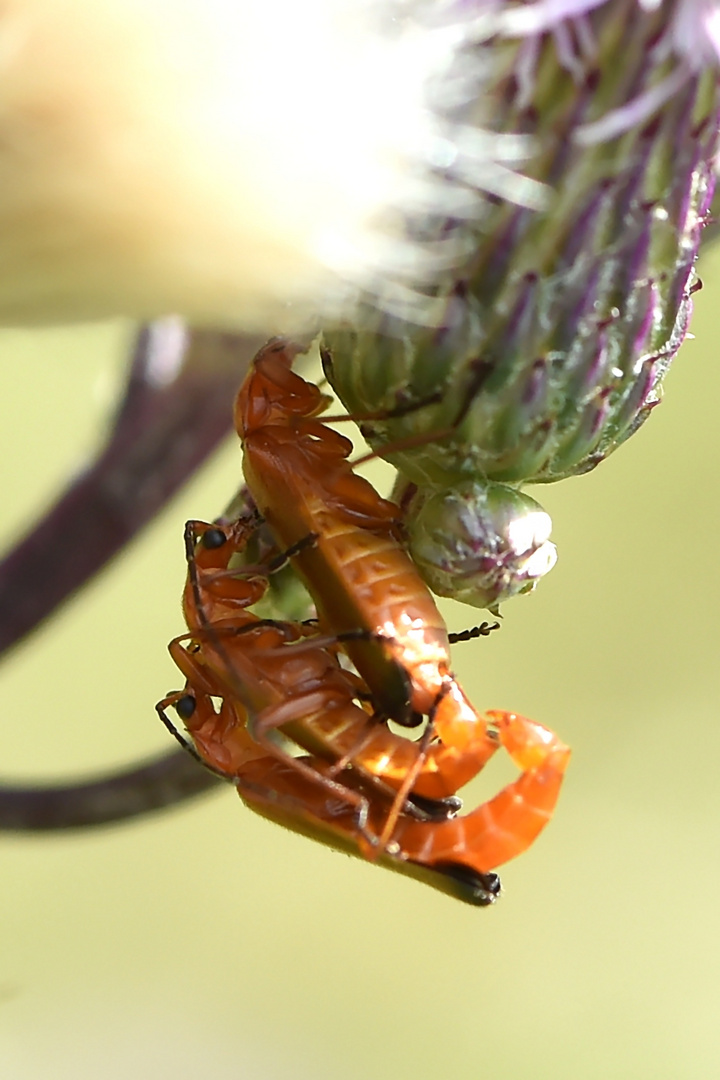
(161,435)
(177,408)
(170,779)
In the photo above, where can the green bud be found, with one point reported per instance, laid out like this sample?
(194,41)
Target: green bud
(544,347)
(479,543)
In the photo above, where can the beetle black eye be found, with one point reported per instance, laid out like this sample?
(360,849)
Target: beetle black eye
(185,706)
(213,538)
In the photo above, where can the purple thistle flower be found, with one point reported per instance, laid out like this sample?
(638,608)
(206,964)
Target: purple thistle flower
(544,349)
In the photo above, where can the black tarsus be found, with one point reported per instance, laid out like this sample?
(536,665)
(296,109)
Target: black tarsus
(483,630)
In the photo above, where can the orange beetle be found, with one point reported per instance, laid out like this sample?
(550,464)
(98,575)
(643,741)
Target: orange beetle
(343,536)
(289,678)
(281,684)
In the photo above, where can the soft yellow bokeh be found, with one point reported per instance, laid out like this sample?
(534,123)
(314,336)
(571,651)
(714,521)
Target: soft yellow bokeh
(206,943)
(219,158)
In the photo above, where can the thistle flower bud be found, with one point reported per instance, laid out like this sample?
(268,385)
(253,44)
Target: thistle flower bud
(545,348)
(479,543)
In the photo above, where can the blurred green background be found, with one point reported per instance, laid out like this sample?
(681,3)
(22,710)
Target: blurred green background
(205,942)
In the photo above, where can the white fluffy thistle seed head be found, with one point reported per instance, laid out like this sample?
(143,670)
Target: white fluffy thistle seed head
(240,163)
(256,165)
